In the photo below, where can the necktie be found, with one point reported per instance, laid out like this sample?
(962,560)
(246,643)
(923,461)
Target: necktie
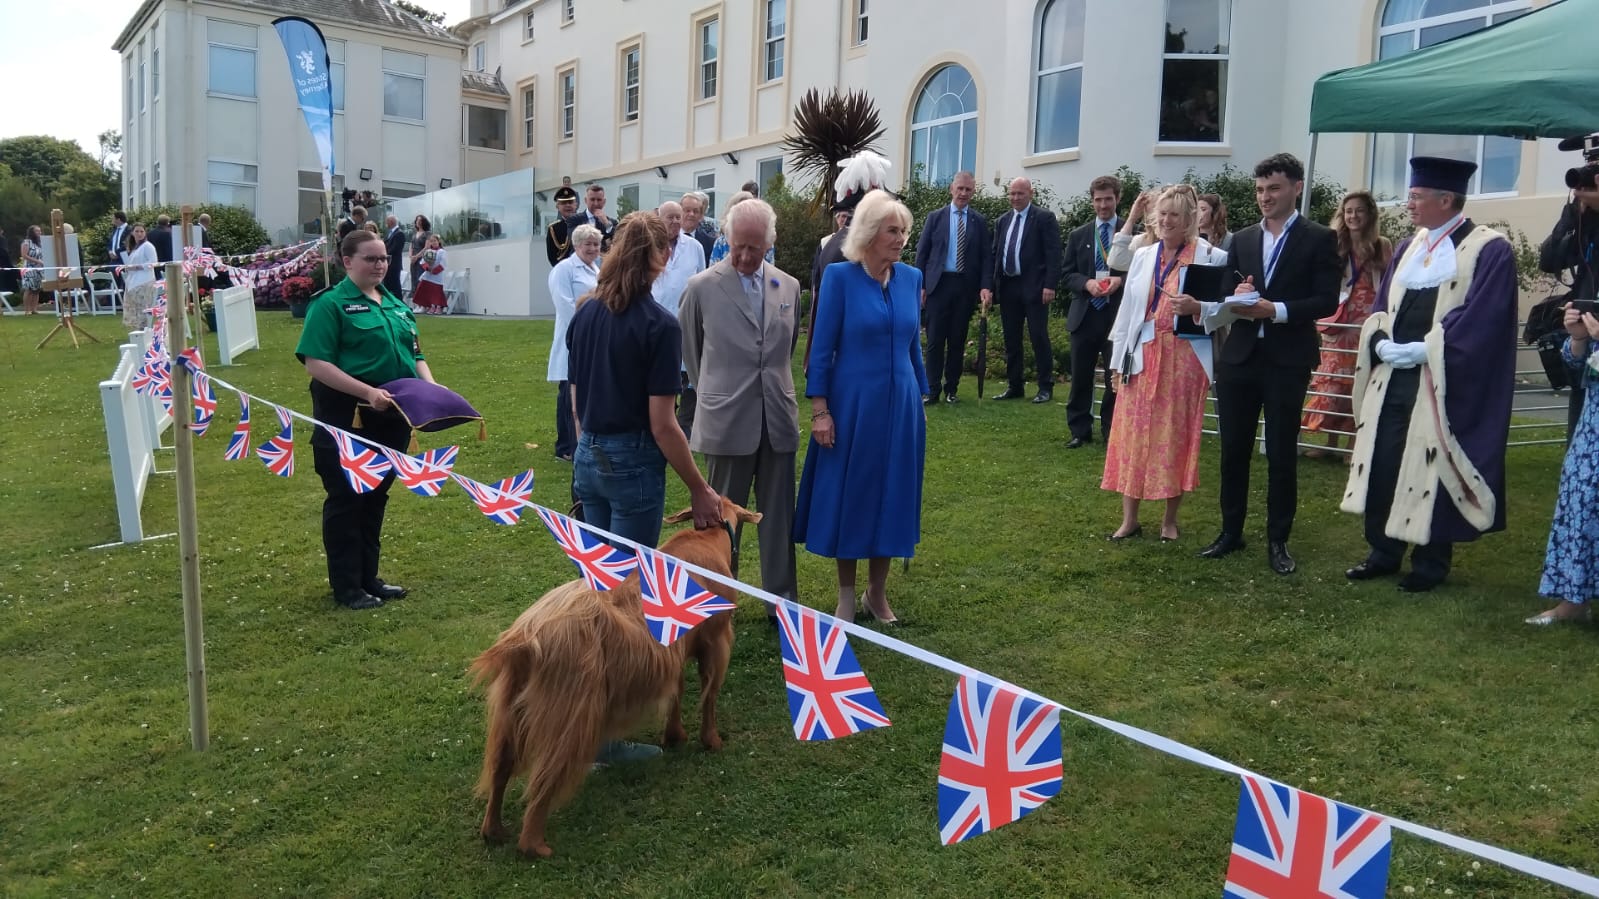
(752,290)
(1099,259)
(960,241)
(1013,265)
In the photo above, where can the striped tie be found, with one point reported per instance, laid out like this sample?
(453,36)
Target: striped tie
(960,241)
(1099,258)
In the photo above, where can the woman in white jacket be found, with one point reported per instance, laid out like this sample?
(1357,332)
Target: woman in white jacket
(1153,452)
(138,277)
(570,280)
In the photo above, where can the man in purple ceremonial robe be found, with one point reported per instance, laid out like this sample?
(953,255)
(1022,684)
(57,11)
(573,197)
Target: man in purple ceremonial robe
(1433,386)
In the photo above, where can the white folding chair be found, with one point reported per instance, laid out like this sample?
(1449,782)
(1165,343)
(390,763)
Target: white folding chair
(5,300)
(103,289)
(455,292)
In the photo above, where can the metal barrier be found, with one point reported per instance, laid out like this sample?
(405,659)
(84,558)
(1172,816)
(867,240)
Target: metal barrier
(1526,385)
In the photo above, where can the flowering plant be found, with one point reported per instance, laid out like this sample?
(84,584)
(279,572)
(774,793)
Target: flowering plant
(297,289)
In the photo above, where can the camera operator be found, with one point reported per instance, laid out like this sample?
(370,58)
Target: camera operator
(1570,247)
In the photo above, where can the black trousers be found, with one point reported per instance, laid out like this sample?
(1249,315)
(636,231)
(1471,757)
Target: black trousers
(1015,310)
(1242,394)
(687,401)
(1091,352)
(352,523)
(565,431)
(949,315)
(1431,560)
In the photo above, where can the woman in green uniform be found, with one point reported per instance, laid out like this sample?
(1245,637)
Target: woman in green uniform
(358,335)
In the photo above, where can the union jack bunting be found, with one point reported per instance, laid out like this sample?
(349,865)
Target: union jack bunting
(205,403)
(1344,853)
(828,694)
(239,444)
(502,502)
(364,467)
(1001,760)
(424,475)
(278,453)
(673,602)
(602,565)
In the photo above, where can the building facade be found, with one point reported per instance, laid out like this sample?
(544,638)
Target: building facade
(699,94)
(210,114)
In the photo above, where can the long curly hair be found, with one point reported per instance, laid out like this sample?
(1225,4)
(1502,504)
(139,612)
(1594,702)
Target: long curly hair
(638,254)
(1368,248)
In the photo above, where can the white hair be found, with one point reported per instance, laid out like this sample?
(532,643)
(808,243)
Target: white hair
(752,207)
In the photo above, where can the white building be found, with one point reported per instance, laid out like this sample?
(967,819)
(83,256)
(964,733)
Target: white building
(700,94)
(210,115)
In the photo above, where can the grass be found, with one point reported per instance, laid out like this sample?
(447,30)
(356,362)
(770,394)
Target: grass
(344,746)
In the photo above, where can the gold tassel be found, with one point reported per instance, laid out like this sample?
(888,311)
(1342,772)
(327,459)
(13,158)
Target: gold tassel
(482,430)
(355,422)
(413,447)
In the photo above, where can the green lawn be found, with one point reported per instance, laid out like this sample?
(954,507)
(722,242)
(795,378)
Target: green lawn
(345,745)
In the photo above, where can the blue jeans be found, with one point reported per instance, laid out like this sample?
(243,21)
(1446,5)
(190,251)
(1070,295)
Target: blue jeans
(621,481)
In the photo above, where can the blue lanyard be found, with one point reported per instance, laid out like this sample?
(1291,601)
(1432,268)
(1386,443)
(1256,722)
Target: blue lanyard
(1101,252)
(1277,251)
(1354,272)
(1161,274)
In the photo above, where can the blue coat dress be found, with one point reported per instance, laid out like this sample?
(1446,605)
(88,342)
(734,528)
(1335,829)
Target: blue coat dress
(862,498)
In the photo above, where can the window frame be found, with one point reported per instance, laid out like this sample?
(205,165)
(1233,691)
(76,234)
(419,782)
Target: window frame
(1222,89)
(630,77)
(858,26)
(527,27)
(973,115)
(708,188)
(219,43)
(254,186)
(397,74)
(143,105)
(714,63)
(765,180)
(466,126)
(530,108)
(478,55)
(1040,73)
(155,74)
(774,46)
(566,101)
(568,12)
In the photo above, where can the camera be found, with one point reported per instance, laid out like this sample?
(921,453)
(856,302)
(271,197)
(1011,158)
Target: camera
(1585,176)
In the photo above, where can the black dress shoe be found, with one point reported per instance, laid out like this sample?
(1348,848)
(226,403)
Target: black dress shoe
(1079,442)
(951,399)
(1277,555)
(1415,583)
(1044,396)
(1224,544)
(1368,569)
(387,592)
(357,600)
(1008,395)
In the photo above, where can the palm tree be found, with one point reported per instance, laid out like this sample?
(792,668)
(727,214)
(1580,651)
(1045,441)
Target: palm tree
(828,130)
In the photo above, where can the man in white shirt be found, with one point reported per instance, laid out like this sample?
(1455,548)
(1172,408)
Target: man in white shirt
(687,260)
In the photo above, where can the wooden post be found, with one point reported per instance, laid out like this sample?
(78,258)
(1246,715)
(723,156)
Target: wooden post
(191,293)
(188,534)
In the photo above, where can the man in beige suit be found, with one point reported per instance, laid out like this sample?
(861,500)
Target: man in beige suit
(738,320)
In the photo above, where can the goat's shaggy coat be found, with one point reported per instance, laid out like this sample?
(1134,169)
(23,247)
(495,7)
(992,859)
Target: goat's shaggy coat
(579,667)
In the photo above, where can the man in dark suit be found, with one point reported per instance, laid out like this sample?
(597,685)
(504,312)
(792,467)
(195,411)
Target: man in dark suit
(694,224)
(1096,295)
(119,230)
(557,237)
(394,242)
(595,215)
(1027,268)
(161,238)
(953,256)
(1266,361)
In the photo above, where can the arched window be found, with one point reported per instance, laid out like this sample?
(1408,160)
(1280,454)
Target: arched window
(944,126)
(1058,99)
(1408,25)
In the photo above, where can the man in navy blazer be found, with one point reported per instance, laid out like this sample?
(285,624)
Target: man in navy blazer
(1026,270)
(953,255)
(1096,295)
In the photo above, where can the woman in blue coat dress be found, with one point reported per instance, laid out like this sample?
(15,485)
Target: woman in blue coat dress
(860,496)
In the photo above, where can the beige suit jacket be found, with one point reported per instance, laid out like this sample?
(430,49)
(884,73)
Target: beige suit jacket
(742,371)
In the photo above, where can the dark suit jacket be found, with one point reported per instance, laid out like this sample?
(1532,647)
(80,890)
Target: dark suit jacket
(1306,281)
(706,235)
(557,241)
(582,218)
(396,244)
(114,242)
(1081,268)
(1039,252)
(161,239)
(932,248)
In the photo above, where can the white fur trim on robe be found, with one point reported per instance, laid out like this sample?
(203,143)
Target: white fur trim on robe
(1433,459)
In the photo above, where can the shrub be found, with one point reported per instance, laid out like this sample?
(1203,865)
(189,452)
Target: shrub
(233,229)
(800,228)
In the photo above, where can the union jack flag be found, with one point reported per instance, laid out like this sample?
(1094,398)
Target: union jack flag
(364,467)
(190,359)
(278,453)
(1001,760)
(502,502)
(602,565)
(424,475)
(673,602)
(1344,856)
(828,694)
(239,444)
(205,404)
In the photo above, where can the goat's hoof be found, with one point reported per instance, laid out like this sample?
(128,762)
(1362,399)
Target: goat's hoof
(712,742)
(494,835)
(537,850)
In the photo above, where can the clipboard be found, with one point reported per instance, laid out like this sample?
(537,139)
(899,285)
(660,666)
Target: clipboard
(1206,283)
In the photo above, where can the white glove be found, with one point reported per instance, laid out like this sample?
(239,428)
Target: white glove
(1402,355)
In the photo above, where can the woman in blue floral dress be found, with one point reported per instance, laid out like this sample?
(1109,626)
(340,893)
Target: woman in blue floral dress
(1571,564)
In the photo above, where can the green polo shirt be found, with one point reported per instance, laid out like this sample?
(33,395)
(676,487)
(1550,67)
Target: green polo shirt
(369,341)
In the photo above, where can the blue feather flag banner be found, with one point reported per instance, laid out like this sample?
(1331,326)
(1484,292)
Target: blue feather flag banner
(313,84)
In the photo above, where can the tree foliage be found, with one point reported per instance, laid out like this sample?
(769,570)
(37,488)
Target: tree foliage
(828,130)
(60,175)
(20,206)
(233,229)
(432,18)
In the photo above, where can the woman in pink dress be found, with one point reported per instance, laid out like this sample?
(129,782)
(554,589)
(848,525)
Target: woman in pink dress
(1365,255)
(1153,451)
